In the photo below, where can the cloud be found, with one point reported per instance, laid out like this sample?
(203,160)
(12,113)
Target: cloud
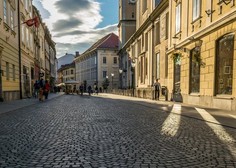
(64,24)
(44,13)
(73,23)
(105,30)
(81,42)
(71,6)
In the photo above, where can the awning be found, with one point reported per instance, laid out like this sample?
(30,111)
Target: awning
(72,82)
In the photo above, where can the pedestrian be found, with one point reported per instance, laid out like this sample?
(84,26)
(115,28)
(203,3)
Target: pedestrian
(41,95)
(89,90)
(36,89)
(96,89)
(100,89)
(46,89)
(81,89)
(157,88)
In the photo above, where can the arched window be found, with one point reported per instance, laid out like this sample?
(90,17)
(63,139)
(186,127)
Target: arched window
(224,65)
(194,71)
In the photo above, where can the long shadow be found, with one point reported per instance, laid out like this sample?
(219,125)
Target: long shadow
(124,132)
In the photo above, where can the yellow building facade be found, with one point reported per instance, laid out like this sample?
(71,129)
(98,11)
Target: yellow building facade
(9,61)
(148,46)
(202,57)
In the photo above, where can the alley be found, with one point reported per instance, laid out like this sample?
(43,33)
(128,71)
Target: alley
(104,131)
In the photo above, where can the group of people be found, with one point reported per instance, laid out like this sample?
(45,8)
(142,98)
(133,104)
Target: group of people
(90,90)
(41,89)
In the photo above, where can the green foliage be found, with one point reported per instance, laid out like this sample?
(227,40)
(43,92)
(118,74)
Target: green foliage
(176,57)
(198,59)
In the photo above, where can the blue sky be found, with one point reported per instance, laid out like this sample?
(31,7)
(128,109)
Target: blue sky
(77,24)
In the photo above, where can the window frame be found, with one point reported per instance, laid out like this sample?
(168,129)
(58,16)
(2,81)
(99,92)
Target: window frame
(178,18)
(192,69)
(196,9)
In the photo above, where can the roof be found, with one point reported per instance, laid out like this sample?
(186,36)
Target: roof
(110,41)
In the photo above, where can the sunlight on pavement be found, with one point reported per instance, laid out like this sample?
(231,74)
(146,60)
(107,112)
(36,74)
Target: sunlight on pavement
(218,130)
(172,122)
(232,116)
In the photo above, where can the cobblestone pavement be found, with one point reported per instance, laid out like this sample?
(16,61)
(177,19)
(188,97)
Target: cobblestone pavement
(84,132)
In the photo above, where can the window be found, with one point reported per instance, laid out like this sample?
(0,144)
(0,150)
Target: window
(194,71)
(104,60)
(167,25)
(115,60)
(12,19)
(5,11)
(27,36)
(224,65)
(177,18)
(13,72)
(32,73)
(157,2)
(166,63)
(144,4)
(7,71)
(72,72)
(158,65)
(157,41)
(104,74)
(23,33)
(196,9)
(146,41)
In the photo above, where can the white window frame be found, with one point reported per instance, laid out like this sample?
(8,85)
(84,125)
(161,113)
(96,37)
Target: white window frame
(5,11)
(12,18)
(196,9)
(177,18)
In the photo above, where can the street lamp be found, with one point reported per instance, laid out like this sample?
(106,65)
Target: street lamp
(112,75)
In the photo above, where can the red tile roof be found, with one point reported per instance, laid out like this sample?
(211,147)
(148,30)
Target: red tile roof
(109,41)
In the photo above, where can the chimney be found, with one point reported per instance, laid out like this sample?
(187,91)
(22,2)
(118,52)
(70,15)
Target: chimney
(77,53)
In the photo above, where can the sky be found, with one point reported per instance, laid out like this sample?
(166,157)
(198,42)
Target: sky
(77,24)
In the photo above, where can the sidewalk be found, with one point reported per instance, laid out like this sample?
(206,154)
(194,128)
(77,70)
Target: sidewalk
(211,115)
(17,104)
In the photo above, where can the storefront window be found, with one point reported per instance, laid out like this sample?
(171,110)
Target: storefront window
(224,65)
(194,71)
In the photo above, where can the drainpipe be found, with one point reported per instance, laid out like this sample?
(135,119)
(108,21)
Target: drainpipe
(1,98)
(19,44)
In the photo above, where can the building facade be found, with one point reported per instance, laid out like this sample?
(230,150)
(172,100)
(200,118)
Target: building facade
(189,47)
(66,73)
(126,28)
(147,47)
(203,48)
(99,62)
(21,45)
(9,60)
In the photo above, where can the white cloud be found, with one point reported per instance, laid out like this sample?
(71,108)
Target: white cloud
(82,24)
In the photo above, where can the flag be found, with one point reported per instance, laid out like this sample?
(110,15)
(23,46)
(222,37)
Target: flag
(32,22)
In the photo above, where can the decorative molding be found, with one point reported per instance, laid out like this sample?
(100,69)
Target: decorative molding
(209,12)
(6,27)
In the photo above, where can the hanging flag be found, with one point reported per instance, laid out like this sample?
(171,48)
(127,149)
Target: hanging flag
(32,22)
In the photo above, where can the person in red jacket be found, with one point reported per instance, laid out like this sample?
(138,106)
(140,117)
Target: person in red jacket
(46,89)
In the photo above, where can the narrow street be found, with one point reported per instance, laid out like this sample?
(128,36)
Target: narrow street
(101,131)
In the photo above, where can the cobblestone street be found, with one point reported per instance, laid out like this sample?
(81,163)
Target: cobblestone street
(98,131)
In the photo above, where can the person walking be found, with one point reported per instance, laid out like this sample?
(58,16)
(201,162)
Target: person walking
(46,89)
(36,89)
(81,89)
(157,88)
(89,90)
